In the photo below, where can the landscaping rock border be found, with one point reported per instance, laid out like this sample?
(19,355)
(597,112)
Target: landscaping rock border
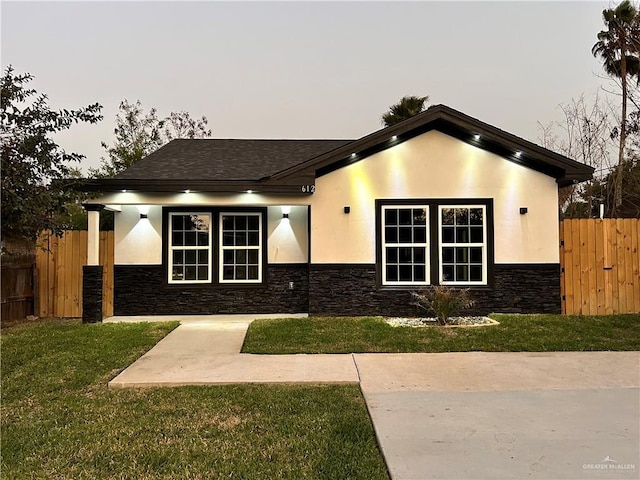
(454,322)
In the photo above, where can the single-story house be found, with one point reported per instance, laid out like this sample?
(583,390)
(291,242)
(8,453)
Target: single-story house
(340,227)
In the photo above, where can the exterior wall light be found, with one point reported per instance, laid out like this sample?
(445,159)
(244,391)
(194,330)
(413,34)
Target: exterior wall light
(347,209)
(477,137)
(249,191)
(395,137)
(124,190)
(518,154)
(285,215)
(523,210)
(143,215)
(187,191)
(353,155)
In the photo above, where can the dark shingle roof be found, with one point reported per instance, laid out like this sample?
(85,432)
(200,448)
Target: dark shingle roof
(214,159)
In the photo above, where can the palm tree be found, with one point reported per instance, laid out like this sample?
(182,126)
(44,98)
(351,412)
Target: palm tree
(619,47)
(407,107)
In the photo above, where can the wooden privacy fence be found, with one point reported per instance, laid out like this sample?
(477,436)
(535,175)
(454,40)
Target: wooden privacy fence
(17,287)
(600,263)
(58,274)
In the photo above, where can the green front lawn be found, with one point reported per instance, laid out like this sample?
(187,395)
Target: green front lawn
(516,333)
(60,421)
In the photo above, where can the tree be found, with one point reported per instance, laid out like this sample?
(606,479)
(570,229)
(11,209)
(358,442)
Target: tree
(181,125)
(407,107)
(601,188)
(630,206)
(619,48)
(138,134)
(35,170)
(584,135)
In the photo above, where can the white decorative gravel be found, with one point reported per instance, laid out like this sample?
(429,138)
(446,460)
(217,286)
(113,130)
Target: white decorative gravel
(432,321)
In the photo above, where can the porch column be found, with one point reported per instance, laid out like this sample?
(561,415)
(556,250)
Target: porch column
(92,272)
(93,235)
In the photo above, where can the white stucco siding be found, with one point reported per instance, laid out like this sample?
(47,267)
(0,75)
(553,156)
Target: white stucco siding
(287,238)
(138,241)
(434,165)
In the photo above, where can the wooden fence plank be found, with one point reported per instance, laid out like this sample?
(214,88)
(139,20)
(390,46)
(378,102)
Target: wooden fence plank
(76,300)
(54,243)
(577,290)
(628,260)
(70,286)
(608,267)
(42,264)
(622,266)
(58,285)
(635,231)
(584,267)
(613,261)
(599,253)
(60,269)
(568,267)
(72,299)
(592,304)
(563,273)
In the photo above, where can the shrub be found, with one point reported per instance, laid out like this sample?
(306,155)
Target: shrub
(443,301)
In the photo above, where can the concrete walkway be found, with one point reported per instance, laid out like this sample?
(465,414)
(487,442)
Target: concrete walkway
(205,350)
(446,415)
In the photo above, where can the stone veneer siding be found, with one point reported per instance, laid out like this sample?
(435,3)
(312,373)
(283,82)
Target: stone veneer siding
(325,290)
(142,290)
(92,293)
(353,290)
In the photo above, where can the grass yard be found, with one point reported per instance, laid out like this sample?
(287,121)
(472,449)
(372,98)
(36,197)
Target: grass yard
(516,333)
(60,421)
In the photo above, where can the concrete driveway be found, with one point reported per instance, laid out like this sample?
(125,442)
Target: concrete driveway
(476,415)
(560,415)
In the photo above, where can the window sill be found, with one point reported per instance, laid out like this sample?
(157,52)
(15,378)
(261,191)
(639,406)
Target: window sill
(215,286)
(405,288)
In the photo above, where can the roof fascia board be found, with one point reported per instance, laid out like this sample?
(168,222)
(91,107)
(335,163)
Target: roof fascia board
(181,185)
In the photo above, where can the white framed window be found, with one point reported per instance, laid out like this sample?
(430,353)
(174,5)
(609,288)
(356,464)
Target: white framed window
(462,244)
(189,247)
(405,245)
(240,247)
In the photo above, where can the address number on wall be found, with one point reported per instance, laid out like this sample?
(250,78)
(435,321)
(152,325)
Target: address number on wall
(308,188)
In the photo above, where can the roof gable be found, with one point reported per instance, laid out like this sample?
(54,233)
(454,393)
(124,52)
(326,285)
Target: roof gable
(456,124)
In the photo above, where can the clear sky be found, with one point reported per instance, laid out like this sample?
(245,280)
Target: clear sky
(304,69)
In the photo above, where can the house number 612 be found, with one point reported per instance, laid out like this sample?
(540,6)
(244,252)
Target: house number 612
(308,188)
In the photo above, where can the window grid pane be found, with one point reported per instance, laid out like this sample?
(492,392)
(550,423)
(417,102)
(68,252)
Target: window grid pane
(405,253)
(240,247)
(189,248)
(462,248)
